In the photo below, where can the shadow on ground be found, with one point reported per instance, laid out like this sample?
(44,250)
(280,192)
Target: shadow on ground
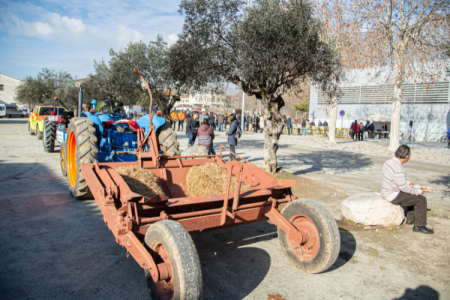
(347,250)
(422,292)
(443,180)
(230,269)
(14,121)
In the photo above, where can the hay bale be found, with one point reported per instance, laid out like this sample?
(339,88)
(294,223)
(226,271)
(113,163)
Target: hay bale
(210,179)
(140,181)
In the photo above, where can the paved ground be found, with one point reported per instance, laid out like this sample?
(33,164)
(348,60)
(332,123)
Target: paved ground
(54,247)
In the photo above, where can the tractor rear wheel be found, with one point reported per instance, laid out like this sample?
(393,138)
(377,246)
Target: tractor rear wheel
(49,136)
(321,249)
(171,245)
(39,134)
(63,158)
(30,132)
(167,137)
(81,149)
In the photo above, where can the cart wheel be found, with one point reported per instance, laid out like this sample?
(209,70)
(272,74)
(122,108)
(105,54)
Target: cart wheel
(171,244)
(321,249)
(63,158)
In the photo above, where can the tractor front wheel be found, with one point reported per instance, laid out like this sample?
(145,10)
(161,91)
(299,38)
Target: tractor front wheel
(320,249)
(40,134)
(30,132)
(81,149)
(63,158)
(167,137)
(172,248)
(49,136)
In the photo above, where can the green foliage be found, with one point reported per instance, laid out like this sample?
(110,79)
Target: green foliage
(302,107)
(46,85)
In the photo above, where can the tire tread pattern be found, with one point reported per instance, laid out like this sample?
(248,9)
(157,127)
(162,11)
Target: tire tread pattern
(168,138)
(87,152)
(49,136)
(185,259)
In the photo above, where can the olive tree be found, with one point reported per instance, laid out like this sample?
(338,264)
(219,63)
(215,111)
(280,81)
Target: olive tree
(264,51)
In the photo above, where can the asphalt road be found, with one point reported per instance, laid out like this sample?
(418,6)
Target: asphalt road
(55,247)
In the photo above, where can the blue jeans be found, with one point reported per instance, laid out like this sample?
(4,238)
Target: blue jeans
(211,150)
(191,138)
(220,127)
(303,131)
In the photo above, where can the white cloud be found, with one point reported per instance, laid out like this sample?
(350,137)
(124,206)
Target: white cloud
(172,38)
(69,31)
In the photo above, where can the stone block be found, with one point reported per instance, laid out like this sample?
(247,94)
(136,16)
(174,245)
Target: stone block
(371,209)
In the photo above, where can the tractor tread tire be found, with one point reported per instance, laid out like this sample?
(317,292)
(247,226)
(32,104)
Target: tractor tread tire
(330,240)
(30,132)
(49,136)
(87,152)
(184,259)
(167,137)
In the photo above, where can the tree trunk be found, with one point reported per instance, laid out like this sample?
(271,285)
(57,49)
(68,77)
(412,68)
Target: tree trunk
(274,125)
(333,119)
(396,110)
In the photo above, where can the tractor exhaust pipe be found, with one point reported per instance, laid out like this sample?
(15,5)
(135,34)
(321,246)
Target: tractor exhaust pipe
(80,101)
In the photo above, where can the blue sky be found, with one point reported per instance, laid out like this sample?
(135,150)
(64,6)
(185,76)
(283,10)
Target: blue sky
(69,36)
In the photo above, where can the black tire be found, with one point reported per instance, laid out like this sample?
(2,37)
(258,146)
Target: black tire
(186,270)
(49,136)
(63,158)
(30,132)
(168,137)
(40,135)
(326,229)
(81,149)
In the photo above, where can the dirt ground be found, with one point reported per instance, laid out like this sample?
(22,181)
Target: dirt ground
(54,247)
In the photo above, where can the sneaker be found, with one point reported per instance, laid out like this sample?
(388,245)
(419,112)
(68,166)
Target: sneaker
(423,229)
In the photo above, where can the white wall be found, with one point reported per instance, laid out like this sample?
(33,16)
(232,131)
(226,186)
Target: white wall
(10,84)
(431,120)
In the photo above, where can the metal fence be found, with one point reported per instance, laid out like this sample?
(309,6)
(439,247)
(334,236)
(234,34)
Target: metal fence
(381,94)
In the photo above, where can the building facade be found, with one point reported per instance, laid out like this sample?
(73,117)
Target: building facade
(8,86)
(425,112)
(203,101)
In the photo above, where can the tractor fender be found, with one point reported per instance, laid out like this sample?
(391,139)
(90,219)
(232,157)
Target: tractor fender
(157,121)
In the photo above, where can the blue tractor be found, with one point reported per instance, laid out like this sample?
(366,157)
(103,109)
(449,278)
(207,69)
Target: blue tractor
(105,136)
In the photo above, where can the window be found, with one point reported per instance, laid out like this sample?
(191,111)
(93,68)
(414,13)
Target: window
(2,87)
(209,100)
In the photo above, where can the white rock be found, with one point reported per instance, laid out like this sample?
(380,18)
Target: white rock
(371,209)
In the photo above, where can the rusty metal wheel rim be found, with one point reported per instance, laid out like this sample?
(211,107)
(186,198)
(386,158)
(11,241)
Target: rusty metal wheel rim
(164,288)
(308,249)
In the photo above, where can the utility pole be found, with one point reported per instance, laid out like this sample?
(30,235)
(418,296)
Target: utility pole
(243,93)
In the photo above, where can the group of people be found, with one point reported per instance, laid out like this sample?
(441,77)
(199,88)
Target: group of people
(302,125)
(205,132)
(254,123)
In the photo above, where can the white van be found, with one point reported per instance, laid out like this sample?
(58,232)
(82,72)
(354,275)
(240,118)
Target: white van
(13,111)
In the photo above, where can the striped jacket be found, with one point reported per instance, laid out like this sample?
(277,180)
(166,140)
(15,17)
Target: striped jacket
(394,180)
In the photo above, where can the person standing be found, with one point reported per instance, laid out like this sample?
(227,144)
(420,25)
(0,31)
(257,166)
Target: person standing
(361,131)
(385,129)
(303,126)
(191,128)
(355,127)
(205,135)
(289,125)
(325,124)
(371,130)
(174,117)
(232,139)
(255,123)
(181,119)
(261,123)
(249,122)
(220,122)
(225,121)
(212,121)
(319,123)
(397,190)
(448,136)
